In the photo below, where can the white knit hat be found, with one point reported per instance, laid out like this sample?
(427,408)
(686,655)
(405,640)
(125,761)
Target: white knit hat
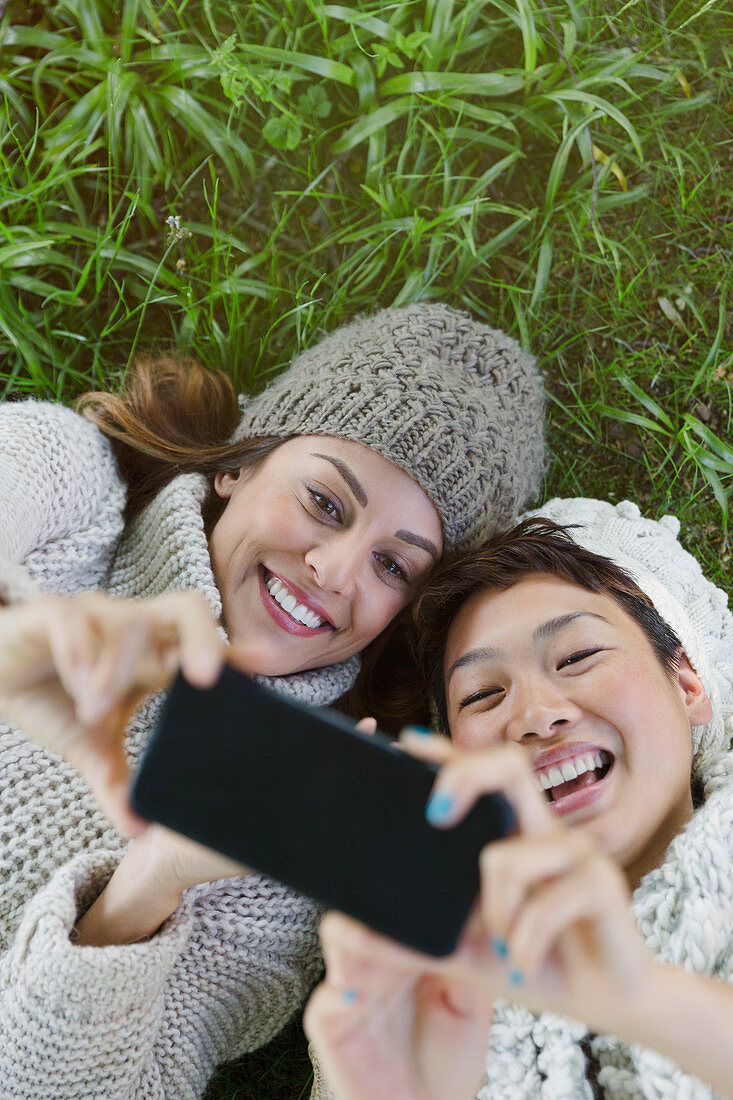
(695,609)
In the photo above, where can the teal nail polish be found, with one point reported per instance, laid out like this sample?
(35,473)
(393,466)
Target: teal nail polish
(421,731)
(439,807)
(349,996)
(516,977)
(500,947)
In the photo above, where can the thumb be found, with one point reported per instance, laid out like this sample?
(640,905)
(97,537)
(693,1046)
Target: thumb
(101,759)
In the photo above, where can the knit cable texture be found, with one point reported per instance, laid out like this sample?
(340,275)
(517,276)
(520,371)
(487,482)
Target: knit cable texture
(145,1021)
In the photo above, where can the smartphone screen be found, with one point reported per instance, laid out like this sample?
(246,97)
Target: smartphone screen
(297,793)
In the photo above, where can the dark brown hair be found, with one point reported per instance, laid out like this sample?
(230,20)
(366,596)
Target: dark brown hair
(173,416)
(533,546)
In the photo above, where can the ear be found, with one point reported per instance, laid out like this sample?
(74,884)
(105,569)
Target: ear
(697,704)
(224,482)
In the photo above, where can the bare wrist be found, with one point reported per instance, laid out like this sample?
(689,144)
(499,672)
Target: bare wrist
(131,908)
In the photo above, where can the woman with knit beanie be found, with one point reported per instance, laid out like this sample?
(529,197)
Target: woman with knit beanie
(166,528)
(591,680)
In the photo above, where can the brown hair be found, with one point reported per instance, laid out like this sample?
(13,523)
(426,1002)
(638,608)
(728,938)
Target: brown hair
(532,546)
(173,416)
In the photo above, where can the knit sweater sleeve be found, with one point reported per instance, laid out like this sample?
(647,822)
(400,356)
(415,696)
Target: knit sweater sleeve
(61,501)
(148,1021)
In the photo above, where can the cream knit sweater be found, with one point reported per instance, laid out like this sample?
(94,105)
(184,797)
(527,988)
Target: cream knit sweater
(232,964)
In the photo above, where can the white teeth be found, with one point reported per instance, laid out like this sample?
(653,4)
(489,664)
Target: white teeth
(288,602)
(571,769)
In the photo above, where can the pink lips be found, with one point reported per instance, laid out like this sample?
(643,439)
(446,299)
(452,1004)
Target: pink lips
(282,618)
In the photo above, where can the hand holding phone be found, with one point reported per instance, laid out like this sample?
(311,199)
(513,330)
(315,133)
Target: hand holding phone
(298,793)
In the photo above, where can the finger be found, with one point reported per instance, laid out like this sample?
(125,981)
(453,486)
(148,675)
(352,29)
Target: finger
(344,938)
(200,647)
(367,725)
(427,746)
(503,769)
(591,896)
(123,643)
(72,643)
(102,761)
(511,869)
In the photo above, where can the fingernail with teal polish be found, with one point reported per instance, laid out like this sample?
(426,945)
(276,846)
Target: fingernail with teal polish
(439,807)
(421,731)
(349,996)
(516,977)
(500,947)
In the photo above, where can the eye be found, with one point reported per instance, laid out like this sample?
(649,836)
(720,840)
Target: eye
(391,568)
(325,504)
(478,696)
(576,658)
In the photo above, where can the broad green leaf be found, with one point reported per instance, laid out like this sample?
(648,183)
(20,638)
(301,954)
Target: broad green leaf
(375,120)
(574,95)
(626,417)
(488,84)
(322,66)
(370,23)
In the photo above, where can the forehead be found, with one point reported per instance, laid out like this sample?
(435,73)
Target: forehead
(502,618)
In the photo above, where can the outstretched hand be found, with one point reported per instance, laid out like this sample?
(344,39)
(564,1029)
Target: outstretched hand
(72,672)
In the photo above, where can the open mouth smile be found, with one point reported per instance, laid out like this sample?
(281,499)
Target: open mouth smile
(289,606)
(573,781)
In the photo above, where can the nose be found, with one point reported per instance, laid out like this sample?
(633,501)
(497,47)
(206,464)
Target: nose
(332,565)
(540,709)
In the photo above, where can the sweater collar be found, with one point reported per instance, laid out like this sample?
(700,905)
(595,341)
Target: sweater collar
(165,549)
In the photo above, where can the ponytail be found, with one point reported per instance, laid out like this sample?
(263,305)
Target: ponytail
(172,416)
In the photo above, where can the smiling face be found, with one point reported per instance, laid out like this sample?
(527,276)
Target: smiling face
(318,548)
(572,678)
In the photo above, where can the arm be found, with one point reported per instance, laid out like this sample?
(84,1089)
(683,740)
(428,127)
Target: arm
(686,1018)
(150,1020)
(147,887)
(61,501)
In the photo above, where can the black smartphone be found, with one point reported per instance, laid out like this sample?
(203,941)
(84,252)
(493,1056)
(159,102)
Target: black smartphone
(299,794)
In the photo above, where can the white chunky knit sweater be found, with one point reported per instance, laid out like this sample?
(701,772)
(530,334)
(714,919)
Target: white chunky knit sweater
(684,908)
(150,1020)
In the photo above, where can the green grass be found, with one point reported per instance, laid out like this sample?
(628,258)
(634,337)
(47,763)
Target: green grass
(561,168)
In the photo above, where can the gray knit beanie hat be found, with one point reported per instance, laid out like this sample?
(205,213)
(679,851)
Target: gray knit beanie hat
(455,404)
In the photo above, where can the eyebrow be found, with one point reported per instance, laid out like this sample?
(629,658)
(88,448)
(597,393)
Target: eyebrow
(419,540)
(359,492)
(349,477)
(544,630)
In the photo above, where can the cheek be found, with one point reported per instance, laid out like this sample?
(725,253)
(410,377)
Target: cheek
(280,522)
(379,607)
(473,733)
